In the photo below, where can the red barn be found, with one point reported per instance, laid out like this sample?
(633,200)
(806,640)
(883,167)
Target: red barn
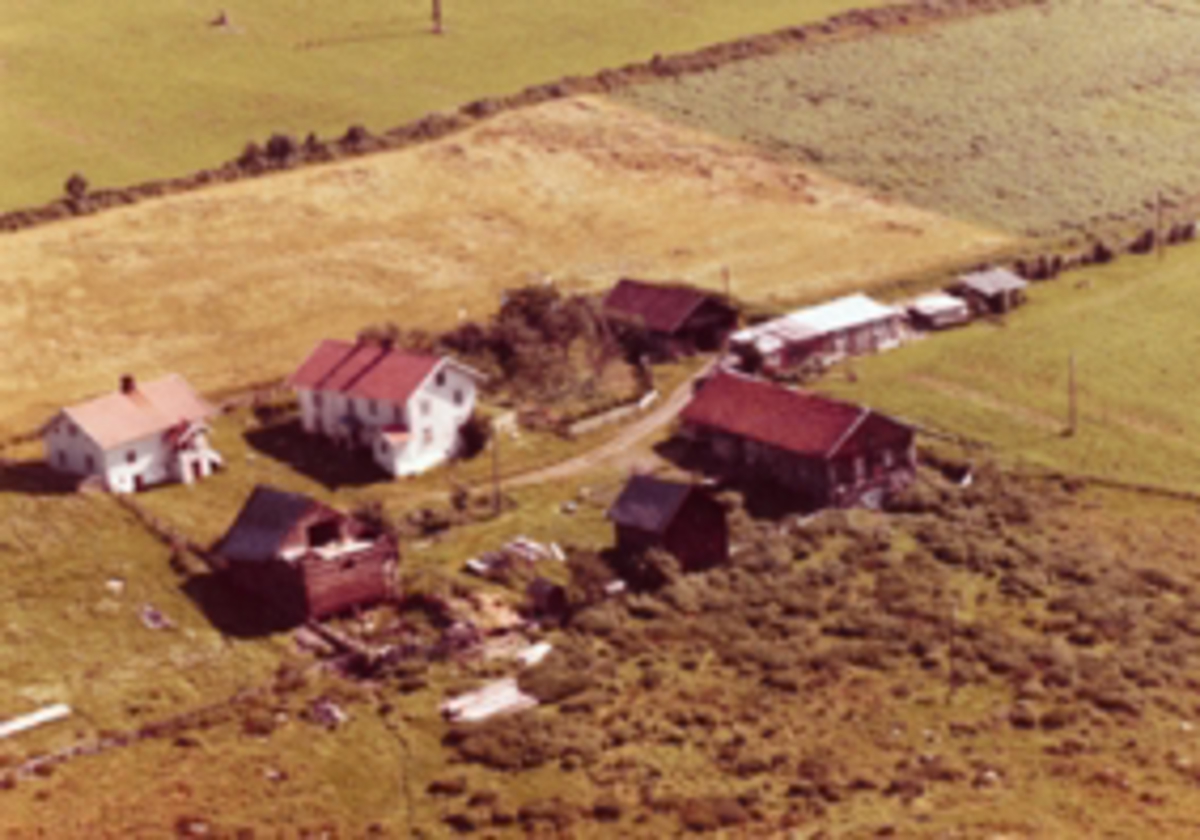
(305,558)
(835,453)
(681,519)
(678,320)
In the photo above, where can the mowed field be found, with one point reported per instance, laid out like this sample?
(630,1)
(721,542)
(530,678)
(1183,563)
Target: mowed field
(1039,120)
(1132,328)
(234,284)
(138,89)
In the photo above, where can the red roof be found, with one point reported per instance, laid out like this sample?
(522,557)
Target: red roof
(660,308)
(150,408)
(368,370)
(804,423)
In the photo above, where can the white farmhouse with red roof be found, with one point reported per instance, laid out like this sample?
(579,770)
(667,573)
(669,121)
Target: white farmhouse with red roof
(142,434)
(408,408)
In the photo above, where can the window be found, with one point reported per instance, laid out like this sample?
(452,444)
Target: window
(440,379)
(130,456)
(71,430)
(88,463)
(372,407)
(886,456)
(399,413)
(427,437)
(62,458)
(425,407)
(458,396)
(316,399)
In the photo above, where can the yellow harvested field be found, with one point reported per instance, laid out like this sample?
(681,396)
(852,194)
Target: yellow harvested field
(232,285)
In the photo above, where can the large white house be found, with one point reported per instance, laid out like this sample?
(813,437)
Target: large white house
(408,408)
(140,435)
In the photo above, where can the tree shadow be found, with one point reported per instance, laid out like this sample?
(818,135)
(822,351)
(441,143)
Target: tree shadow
(234,612)
(316,457)
(761,498)
(35,478)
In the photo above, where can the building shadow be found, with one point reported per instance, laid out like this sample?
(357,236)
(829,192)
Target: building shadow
(320,459)
(761,498)
(233,612)
(35,478)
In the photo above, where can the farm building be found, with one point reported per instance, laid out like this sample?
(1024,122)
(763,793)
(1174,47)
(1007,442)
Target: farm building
(679,320)
(305,558)
(681,519)
(137,436)
(407,408)
(849,326)
(995,291)
(832,453)
(938,311)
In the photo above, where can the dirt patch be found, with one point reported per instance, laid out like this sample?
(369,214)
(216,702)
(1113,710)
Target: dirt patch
(234,285)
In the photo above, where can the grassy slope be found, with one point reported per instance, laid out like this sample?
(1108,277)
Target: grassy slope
(1037,120)
(1131,328)
(137,89)
(235,284)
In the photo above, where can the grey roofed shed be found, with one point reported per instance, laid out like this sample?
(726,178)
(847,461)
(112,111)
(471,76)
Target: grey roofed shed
(992,281)
(648,504)
(263,524)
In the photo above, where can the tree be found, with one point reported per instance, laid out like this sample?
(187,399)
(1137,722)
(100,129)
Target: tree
(76,186)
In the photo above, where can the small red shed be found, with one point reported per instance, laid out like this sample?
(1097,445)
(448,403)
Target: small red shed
(681,519)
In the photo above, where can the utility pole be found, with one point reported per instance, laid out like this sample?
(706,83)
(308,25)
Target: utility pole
(1072,399)
(437,17)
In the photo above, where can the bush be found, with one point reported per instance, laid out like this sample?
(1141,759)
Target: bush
(76,186)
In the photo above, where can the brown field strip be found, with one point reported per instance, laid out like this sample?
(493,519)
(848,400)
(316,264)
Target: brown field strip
(232,285)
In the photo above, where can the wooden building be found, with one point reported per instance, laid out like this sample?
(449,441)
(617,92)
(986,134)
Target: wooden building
(993,291)
(305,558)
(854,325)
(678,320)
(832,453)
(681,519)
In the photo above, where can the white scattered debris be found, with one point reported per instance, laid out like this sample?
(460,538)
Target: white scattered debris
(614,587)
(648,400)
(48,714)
(534,654)
(1186,726)
(528,549)
(967,480)
(568,507)
(115,585)
(153,618)
(479,567)
(557,553)
(327,713)
(495,698)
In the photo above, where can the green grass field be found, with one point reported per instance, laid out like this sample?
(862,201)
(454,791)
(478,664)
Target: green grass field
(136,89)
(1043,119)
(1131,327)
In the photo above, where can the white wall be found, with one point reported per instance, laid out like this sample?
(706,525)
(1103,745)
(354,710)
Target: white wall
(68,452)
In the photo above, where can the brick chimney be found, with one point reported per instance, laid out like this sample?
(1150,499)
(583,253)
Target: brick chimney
(128,383)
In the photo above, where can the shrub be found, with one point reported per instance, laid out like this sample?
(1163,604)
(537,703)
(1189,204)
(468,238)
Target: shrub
(76,186)
(280,148)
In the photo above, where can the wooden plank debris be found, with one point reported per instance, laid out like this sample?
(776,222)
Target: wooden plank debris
(48,714)
(495,698)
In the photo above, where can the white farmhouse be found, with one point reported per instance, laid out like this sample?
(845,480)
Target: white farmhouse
(142,434)
(408,408)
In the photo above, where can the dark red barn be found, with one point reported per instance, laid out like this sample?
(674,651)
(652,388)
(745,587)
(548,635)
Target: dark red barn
(831,452)
(681,519)
(305,558)
(678,320)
